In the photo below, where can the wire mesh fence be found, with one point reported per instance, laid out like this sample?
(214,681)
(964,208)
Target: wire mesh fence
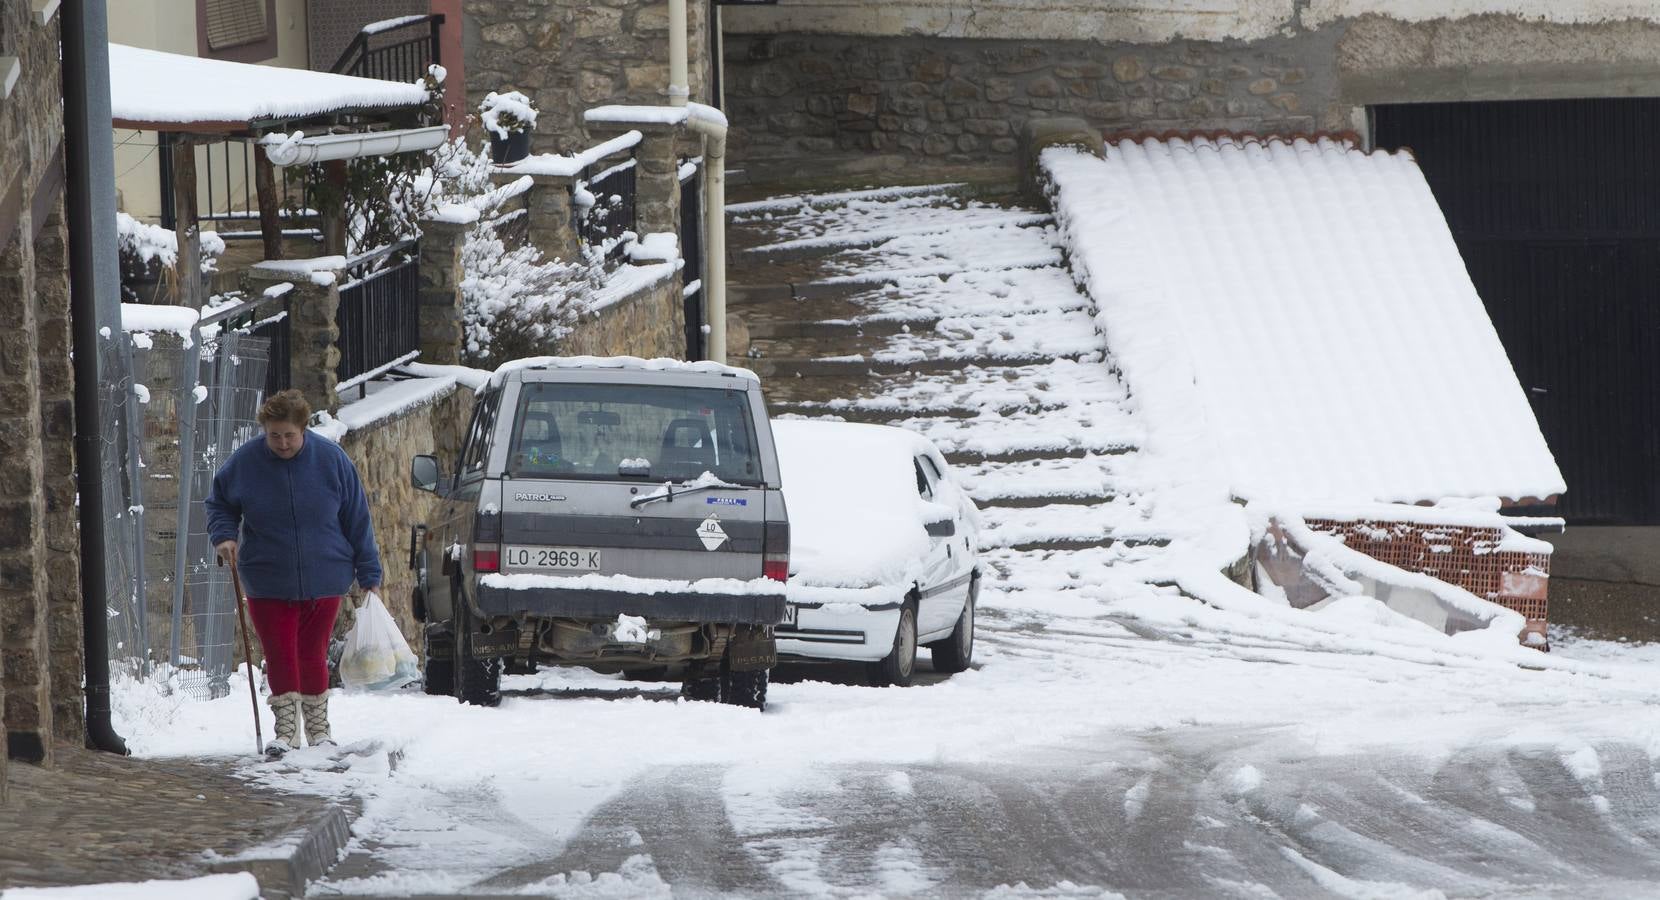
(168,600)
(123,499)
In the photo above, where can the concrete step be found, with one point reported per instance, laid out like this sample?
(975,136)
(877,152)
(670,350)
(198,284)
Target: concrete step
(787,367)
(786,329)
(888,415)
(974,458)
(1073,545)
(1035,501)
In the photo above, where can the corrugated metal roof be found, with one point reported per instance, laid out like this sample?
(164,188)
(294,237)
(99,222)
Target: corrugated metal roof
(1302,301)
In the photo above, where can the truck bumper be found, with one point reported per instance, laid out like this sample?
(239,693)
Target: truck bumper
(576,603)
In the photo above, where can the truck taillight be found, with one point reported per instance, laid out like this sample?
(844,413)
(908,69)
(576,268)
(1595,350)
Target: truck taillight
(487,540)
(775,552)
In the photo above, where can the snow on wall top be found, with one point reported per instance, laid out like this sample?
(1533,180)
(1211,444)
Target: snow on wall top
(149,86)
(1303,303)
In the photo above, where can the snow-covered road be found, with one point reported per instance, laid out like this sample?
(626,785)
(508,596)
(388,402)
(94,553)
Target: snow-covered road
(1114,738)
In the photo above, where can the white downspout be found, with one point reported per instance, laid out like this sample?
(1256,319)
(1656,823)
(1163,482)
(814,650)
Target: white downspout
(712,126)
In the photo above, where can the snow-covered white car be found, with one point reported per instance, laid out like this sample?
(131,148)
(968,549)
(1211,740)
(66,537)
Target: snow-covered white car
(883,547)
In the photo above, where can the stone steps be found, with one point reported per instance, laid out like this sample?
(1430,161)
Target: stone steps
(786,367)
(1038,500)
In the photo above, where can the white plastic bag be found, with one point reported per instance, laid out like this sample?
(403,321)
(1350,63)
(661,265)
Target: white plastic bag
(376,657)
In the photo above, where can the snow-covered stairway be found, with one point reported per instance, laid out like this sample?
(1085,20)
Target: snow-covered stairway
(953,317)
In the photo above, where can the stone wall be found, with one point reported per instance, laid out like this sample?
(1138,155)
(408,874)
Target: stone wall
(569,55)
(861,106)
(865,107)
(1144,21)
(648,322)
(382,452)
(39,551)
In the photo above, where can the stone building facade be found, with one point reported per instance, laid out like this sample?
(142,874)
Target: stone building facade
(925,89)
(569,55)
(40,613)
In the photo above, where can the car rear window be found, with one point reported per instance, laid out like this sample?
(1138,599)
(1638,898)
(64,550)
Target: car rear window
(587,431)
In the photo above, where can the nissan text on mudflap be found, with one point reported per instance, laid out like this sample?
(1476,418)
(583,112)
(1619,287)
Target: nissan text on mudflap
(619,514)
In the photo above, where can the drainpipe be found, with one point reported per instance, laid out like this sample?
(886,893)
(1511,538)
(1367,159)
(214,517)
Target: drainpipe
(711,124)
(94,300)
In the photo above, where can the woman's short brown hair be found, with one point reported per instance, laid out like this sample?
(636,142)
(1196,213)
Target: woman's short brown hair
(285,406)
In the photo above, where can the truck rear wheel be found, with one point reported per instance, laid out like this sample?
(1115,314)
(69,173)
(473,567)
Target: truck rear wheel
(438,661)
(477,679)
(701,686)
(745,688)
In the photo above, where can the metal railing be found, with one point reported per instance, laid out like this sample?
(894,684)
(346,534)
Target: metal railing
(691,250)
(612,215)
(226,194)
(394,50)
(267,318)
(380,317)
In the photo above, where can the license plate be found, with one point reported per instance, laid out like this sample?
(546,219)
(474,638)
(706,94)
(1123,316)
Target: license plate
(789,614)
(562,559)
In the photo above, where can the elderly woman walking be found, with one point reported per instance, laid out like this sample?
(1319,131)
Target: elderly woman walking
(288,510)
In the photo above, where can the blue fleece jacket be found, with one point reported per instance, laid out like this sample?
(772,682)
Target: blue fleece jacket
(303,522)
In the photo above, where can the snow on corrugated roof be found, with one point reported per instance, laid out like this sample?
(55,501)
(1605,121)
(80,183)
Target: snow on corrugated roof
(1304,305)
(150,87)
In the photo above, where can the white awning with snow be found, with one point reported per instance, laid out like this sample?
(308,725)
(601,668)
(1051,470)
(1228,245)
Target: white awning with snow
(157,91)
(1304,305)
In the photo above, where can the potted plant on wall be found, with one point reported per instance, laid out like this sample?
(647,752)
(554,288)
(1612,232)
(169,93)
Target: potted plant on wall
(508,118)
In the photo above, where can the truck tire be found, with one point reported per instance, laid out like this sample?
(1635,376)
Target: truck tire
(477,679)
(899,666)
(745,688)
(438,661)
(702,687)
(955,652)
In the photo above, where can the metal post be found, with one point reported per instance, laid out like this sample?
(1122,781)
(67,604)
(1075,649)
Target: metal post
(191,369)
(95,298)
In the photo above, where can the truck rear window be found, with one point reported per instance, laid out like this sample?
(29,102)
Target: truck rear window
(590,431)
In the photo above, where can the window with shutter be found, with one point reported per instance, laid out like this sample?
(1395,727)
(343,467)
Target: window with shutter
(233,23)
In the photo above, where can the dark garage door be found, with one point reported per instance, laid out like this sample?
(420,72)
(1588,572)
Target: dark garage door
(1555,205)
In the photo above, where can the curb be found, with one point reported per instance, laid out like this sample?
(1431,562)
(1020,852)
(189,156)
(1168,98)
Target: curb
(300,857)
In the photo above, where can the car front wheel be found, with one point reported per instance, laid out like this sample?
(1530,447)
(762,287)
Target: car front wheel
(899,666)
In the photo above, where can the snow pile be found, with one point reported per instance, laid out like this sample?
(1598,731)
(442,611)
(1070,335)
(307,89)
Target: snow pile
(232,886)
(856,519)
(145,89)
(140,317)
(561,166)
(628,584)
(387,398)
(625,363)
(1327,342)
(507,112)
(153,243)
(655,115)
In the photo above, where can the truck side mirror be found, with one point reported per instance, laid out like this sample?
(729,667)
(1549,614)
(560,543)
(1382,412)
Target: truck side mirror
(423,473)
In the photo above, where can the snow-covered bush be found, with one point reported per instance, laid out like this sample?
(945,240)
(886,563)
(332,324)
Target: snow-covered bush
(148,254)
(506,113)
(514,302)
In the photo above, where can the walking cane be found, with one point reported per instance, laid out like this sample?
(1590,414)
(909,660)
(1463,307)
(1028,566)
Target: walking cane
(248,655)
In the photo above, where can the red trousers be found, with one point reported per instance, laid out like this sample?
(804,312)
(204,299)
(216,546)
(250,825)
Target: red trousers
(295,637)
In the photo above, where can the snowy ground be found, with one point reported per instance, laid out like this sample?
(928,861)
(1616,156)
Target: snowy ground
(1114,738)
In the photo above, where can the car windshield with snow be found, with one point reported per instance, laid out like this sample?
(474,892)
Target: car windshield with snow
(618,514)
(884,550)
